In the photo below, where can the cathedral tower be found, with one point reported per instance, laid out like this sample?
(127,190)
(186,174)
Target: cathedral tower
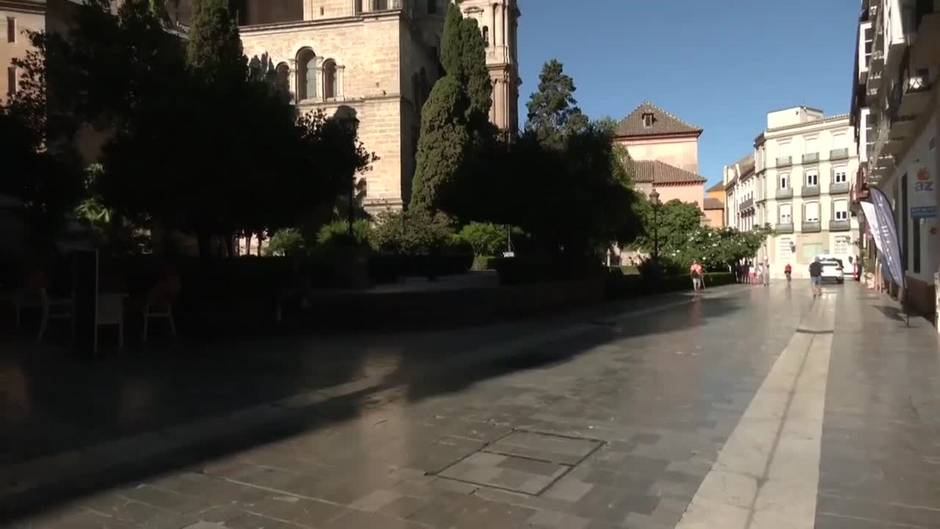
(499,22)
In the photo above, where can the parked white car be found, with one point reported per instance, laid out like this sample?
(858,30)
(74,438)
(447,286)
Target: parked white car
(833,270)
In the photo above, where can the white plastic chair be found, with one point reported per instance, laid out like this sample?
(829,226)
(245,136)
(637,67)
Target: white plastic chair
(111,312)
(50,309)
(159,304)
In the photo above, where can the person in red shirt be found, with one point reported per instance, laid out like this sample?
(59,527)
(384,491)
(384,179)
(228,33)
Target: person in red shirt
(697,273)
(788,270)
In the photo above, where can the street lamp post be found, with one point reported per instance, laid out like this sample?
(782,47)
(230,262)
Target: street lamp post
(654,198)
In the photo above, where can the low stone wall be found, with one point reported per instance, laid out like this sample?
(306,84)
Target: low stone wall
(445,307)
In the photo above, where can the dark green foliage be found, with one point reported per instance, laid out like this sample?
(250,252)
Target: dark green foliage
(197,143)
(553,111)
(625,286)
(486,239)
(443,146)
(463,55)
(414,232)
(455,126)
(336,233)
(673,224)
(287,242)
(214,51)
(576,198)
(47,183)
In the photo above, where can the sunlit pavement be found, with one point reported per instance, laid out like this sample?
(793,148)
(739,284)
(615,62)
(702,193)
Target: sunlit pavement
(748,407)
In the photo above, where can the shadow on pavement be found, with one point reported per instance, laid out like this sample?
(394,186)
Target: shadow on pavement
(52,403)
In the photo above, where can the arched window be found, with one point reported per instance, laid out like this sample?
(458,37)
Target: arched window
(329,79)
(486,36)
(306,74)
(281,79)
(379,5)
(432,7)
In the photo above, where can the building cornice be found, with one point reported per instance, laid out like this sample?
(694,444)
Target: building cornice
(674,135)
(824,123)
(25,6)
(326,22)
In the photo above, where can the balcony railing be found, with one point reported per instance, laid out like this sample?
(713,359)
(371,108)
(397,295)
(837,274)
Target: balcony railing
(746,204)
(838,188)
(810,191)
(839,225)
(784,193)
(784,161)
(910,92)
(784,228)
(811,227)
(811,157)
(839,154)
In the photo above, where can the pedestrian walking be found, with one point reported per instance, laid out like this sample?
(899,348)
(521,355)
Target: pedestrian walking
(697,274)
(751,273)
(766,273)
(815,277)
(788,271)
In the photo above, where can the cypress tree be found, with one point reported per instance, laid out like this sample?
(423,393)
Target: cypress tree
(443,144)
(463,55)
(215,48)
(474,74)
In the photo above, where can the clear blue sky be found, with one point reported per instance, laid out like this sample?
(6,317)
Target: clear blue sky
(719,64)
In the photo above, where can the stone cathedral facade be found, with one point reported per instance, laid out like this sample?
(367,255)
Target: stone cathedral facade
(377,59)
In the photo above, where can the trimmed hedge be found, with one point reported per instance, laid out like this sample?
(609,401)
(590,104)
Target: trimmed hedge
(621,286)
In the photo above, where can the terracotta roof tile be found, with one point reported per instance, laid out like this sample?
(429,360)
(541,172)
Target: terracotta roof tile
(717,187)
(663,123)
(656,172)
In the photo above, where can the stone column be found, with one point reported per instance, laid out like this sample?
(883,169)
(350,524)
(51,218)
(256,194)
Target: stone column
(292,79)
(499,30)
(340,82)
(318,81)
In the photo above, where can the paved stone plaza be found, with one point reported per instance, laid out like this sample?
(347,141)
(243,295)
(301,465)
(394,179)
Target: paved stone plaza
(750,407)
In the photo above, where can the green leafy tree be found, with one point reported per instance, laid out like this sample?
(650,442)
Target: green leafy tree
(413,232)
(215,51)
(672,224)
(443,145)
(486,239)
(287,242)
(553,111)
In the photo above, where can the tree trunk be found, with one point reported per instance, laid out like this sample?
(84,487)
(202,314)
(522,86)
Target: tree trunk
(248,243)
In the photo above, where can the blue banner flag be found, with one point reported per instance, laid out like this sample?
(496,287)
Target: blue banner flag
(885,231)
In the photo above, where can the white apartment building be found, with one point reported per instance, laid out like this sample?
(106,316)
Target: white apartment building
(797,182)
(896,118)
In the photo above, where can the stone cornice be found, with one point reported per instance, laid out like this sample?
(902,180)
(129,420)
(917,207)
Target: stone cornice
(326,22)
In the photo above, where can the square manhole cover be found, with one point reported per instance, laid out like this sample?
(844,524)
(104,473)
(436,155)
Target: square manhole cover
(506,472)
(525,462)
(544,447)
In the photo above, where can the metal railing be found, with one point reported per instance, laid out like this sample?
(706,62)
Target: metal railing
(811,157)
(838,188)
(784,193)
(809,191)
(784,227)
(839,225)
(784,161)
(811,227)
(839,154)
